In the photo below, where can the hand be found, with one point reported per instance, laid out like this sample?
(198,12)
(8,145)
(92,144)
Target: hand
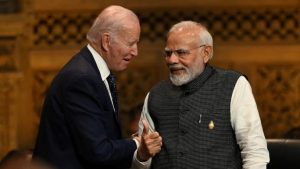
(136,137)
(150,144)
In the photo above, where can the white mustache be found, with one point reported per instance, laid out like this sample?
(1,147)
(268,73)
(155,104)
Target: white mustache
(176,66)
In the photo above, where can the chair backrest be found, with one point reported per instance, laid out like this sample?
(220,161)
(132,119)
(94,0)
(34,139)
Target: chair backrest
(284,153)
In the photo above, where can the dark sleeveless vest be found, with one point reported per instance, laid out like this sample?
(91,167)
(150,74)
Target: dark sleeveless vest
(182,116)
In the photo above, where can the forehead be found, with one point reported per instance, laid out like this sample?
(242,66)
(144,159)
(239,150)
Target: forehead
(130,32)
(183,38)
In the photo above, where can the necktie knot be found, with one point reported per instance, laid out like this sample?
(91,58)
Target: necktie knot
(113,90)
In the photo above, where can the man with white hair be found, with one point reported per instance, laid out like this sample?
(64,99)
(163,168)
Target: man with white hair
(207,117)
(79,127)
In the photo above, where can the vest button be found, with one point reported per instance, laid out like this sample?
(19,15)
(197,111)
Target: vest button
(181,154)
(182,132)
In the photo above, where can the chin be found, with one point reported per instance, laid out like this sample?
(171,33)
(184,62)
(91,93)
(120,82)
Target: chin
(122,68)
(180,79)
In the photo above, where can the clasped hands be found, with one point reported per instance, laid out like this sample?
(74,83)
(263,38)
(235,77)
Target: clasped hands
(150,143)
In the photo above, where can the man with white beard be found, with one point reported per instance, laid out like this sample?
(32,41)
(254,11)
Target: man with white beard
(207,117)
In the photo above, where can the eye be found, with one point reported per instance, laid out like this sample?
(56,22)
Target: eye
(181,52)
(168,53)
(131,44)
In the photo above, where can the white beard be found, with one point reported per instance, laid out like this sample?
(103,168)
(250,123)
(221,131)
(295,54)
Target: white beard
(184,78)
(181,79)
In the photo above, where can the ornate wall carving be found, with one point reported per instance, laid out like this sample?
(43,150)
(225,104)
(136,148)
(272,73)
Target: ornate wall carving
(9,90)
(15,113)
(41,82)
(7,51)
(9,6)
(268,25)
(242,25)
(277,91)
(56,29)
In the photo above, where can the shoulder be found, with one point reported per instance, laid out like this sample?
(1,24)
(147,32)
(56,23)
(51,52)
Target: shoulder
(76,70)
(228,74)
(162,85)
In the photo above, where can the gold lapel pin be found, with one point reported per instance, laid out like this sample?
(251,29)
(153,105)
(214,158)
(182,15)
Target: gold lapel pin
(211,125)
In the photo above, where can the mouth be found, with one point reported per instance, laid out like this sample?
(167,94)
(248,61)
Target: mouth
(177,71)
(127,60)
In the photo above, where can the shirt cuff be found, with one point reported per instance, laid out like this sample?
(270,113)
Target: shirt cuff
(137,143)
(136,164)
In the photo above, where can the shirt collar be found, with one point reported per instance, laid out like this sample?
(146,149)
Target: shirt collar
(101,64)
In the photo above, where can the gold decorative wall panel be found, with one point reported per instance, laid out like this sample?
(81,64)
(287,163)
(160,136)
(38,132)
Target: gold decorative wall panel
(61,29)
(268,25)
(7,51)
(258,38)
(41,82)
(278,96)
(9,90)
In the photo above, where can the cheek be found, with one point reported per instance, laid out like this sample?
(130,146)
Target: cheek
(118,53)
(122,52)
(194,63)
(188,62)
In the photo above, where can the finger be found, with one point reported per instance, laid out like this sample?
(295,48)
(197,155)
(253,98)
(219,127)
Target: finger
(153,135)
(153,143)
(146,127)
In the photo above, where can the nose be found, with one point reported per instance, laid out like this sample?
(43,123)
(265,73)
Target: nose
(134,50)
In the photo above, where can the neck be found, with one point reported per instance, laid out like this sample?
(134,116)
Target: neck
(97,49)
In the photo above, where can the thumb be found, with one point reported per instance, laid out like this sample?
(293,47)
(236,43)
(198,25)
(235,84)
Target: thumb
(146,127)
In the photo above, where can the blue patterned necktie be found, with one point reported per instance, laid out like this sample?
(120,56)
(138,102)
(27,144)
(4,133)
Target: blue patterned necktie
(113,90)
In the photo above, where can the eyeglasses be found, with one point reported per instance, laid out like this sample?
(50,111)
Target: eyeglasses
(180,52)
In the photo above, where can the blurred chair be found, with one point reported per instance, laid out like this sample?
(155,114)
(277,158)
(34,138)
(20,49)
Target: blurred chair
(284,153)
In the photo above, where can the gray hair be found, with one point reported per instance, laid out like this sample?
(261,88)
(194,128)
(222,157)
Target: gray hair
(110,20)
(204,36)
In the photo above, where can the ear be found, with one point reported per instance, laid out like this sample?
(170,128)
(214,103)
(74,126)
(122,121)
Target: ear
(105,40)
(207,53)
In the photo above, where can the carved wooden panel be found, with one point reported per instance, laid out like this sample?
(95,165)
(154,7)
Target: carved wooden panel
(278,95)
(41,81)
(7,51)
(9,6)
(242,25)
(68,29)
(9,90)
(266,25)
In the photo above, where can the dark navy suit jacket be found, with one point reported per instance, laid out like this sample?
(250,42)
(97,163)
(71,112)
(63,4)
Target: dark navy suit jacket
(78,127)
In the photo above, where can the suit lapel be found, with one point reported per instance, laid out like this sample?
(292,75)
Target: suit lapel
(90,59)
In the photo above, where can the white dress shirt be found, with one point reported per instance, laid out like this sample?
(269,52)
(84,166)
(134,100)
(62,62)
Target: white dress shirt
(102,67)
(245,122)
